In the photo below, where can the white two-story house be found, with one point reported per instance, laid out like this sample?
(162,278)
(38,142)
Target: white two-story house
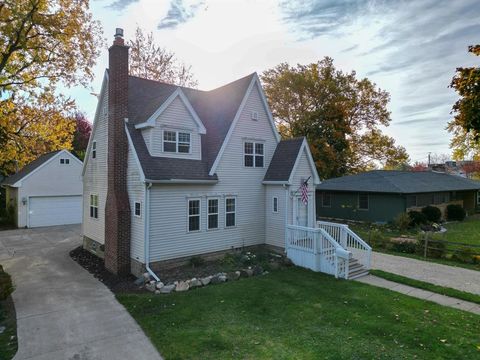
(173,172)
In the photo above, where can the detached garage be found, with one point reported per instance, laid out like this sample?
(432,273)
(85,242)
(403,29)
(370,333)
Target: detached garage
(47,192)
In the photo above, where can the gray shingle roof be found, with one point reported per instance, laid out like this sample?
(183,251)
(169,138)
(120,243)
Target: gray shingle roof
(283,160)
(216,109)
(27,169)
(402,182)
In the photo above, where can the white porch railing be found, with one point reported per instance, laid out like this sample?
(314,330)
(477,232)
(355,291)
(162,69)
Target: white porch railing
(315,249)
(350,241)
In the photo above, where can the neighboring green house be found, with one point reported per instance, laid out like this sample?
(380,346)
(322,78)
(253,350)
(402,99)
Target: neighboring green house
(380,195)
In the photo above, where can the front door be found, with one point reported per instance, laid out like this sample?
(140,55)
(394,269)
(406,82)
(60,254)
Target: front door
(302,212)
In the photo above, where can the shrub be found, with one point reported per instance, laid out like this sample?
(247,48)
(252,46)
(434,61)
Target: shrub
(417,218)
(402,221)
(6,285)
(467,255)
(407,247)
(432,213)
(376,239)
(435,248)
(455,212)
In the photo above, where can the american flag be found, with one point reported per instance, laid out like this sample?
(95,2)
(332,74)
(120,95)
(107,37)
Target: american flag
(304,192)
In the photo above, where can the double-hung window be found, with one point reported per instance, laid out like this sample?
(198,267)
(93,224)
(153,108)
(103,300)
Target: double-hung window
(275,204)
(363,201)
(94,150)
(194,215)
(176,142)
(94,206)
(137,209)
(212,212)
(230,211)
(253,153)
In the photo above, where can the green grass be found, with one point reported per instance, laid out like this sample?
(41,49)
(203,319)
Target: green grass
(299,314)
(8,347)
(463,295)
(467,231)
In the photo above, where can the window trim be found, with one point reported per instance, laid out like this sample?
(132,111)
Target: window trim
(135,209)
(209,214)
(275,204)
(254,153)
(368,202)
(199,214)
(323,199)
(230,212)
(177,141)
(94,149)
(92,206)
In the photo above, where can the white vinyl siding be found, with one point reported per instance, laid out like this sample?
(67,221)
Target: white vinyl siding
(275,221)
(168,204)
(175,118)
(95,176)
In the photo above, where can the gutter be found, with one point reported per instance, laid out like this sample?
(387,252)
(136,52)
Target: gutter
(181,181)
(147,231)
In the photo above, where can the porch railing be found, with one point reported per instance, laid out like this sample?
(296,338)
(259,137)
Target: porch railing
(350,241)
(315,249)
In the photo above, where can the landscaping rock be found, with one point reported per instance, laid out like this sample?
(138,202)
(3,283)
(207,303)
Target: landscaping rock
(195,283)
(206,280)
(2,329)
(218,278)
(182,286)
(150,287)
(246,272)
(157,292)
(146,277)
(167,289)
(159,285)
(257,270)
(140,281)
(231,276)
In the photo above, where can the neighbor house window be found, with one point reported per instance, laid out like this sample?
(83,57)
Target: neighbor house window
(212,213)
(94,206)
(253,153)
(275,204)
(363,201)
(326,199)
(411,200)
(230,212)
(194,215)
(175,141)
(138,209)
(94,150)
(65,161)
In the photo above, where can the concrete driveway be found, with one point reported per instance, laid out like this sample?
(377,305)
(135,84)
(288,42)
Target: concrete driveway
(63,312)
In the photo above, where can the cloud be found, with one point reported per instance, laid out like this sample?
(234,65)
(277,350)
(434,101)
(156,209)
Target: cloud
(121,4)
(179,13)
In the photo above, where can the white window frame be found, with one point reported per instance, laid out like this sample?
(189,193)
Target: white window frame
(275,204)
(177,141)
(94,149)
(135,209)
(231,212)
(93,206)
(254,153)
(323,202)
(212,214)
(368,202)
(199,215)
(64,161)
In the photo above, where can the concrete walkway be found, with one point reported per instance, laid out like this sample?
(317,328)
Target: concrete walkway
(448,276)
(63,312)
(421,294)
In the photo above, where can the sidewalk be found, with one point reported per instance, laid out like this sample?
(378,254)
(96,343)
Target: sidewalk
(421,294)
(448,276)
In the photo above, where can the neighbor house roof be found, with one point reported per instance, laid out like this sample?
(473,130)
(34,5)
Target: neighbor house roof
(402,182)
(27,169)
(216,109)
(283,160)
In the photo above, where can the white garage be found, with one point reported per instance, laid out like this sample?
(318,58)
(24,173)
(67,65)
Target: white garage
(47,192)
(54,210)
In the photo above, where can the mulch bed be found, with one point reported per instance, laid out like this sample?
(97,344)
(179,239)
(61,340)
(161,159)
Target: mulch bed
(96,266)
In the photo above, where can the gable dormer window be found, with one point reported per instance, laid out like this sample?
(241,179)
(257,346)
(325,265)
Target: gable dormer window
(176,142)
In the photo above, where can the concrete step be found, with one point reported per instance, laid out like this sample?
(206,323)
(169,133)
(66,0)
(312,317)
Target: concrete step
(357,275)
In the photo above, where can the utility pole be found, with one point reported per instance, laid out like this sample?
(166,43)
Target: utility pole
(429,153)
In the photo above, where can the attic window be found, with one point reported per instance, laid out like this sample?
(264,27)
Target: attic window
(254,115)
(94,150)
(253,154)
(176,142)
(64,161)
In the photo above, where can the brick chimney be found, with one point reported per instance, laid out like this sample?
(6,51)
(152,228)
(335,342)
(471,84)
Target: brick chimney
(117,208)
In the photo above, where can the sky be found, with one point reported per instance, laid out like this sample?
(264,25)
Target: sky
(409,48)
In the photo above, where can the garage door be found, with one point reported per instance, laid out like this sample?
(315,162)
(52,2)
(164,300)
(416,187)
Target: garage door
(55,210)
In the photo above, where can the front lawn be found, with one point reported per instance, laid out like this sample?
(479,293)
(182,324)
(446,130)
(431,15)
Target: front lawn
(467,231)
(299,314)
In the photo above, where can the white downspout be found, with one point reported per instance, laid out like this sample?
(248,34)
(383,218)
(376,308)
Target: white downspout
(286,214)
(147,231)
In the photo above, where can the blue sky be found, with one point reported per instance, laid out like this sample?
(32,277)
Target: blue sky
(409,48)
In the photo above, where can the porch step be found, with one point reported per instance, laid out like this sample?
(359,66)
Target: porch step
(356,270)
